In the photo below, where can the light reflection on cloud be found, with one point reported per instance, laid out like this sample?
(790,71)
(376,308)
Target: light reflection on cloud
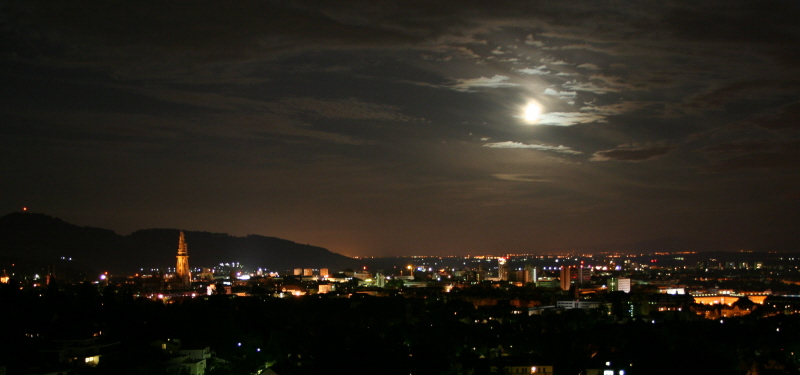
(568,118)
(496,81)
(509,144)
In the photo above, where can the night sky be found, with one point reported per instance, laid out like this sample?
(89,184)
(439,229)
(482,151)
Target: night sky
(404,127)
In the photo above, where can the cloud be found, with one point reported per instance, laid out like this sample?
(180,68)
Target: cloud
(588,113)
(614,109)
(509,144)
(630,154)
(611,81)
(588,87)
(743,21)
(568,118)
(497,81)
(351,109)
(763,154)
(168,39)
(582,46)
(561,94)
(529,41)
(740,148)
(534,71)
(721,94)
(519,177)
(589,66)
(786,118)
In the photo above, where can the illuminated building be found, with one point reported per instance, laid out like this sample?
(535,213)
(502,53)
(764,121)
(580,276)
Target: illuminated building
(182,274)
(51,277)
(81,352)
(565,278)
(206,275)
(547,282)
(618,284)
(719,311)
(502,269)
(531,275)
(577,304)
(189,361)
(540,370)
(624,285)
(608,369)
(654,302)
(786,304)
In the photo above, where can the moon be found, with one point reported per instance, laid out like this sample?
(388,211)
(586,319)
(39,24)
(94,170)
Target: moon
(532,112)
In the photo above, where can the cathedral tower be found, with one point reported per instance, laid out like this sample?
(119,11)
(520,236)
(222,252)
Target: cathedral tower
(184,278)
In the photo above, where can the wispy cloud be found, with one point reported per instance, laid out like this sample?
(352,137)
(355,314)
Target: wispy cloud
(631,154)
(589,66)
(613,109)
(497,81)
(568,118)
(350,108)
(519,177)
(588,87)
(762,154)
(531,42)
(535,71)
(561,94)
(509,144)
(611,81)
(785,118)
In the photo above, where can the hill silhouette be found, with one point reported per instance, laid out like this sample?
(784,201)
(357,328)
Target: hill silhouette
(44,239)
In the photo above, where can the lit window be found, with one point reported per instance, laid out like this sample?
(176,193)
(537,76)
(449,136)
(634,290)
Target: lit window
(92,361)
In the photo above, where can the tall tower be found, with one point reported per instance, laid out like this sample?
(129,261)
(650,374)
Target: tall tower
(502,269)
(182,274)
(565,278)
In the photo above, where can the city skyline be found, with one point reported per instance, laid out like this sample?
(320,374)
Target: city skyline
(391,129)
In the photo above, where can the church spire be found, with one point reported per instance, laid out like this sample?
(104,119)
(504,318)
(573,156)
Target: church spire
(182,248)
(182,274)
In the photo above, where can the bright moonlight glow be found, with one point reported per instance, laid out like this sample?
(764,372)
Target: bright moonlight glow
(532,112)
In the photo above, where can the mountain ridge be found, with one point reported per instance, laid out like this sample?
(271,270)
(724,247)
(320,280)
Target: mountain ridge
(37,237)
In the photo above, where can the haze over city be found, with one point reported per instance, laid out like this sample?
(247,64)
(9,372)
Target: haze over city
(410,128)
